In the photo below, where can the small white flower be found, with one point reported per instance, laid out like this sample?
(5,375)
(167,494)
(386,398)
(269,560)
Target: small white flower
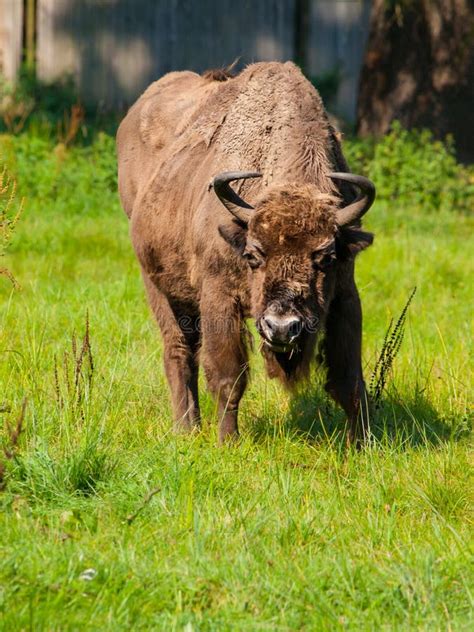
(88,575)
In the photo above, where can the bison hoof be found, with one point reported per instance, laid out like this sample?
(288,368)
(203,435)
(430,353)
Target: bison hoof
(229,438)
(186,427)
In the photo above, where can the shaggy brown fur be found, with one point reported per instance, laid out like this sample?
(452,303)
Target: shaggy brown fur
(203,271)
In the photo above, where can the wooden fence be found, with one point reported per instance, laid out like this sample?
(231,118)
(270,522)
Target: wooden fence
(11,36)
(115,48)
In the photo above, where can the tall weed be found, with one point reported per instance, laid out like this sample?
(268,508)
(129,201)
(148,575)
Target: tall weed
(10,211)
(391,346)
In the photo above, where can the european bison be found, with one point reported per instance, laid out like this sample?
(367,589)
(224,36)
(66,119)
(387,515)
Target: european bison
(278,246)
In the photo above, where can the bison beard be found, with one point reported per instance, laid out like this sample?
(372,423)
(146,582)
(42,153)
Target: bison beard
(218,245)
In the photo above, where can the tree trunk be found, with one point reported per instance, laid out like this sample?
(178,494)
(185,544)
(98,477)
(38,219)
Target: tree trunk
(419,69)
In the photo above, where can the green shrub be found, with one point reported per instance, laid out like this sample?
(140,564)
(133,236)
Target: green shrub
(78,178)
(412,168)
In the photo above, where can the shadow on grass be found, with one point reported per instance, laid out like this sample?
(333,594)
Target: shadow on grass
(406,422)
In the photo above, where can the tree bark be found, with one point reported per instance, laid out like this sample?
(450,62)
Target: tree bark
(419,69)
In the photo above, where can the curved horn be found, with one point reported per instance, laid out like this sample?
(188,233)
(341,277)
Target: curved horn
(354,211)
(229,198)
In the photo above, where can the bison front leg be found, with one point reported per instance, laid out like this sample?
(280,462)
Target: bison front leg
(342,350)
(224,358)
(180,335)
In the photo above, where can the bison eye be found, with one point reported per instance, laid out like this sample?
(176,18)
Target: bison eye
(253,261)
(323,260)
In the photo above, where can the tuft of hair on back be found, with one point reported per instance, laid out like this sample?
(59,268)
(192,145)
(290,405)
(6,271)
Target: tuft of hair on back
(221,74)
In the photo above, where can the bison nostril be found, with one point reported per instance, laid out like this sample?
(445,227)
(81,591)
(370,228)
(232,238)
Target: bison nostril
(269,324)
(294,329)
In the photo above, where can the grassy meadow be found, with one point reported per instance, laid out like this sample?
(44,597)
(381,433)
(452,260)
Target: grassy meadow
(110,522)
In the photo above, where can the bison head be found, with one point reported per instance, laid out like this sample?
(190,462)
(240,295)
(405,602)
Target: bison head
(294,241)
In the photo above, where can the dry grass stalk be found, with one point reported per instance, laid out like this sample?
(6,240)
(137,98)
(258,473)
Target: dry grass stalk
(129,519)
(76,378)
(15,111)
(71,124)
(9,217)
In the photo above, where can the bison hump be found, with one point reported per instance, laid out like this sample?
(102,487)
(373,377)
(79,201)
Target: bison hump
(168,105)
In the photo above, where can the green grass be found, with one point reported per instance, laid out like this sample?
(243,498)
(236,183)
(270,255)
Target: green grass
(285,531)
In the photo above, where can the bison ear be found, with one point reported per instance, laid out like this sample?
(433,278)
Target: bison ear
(235,235)
(351,241)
